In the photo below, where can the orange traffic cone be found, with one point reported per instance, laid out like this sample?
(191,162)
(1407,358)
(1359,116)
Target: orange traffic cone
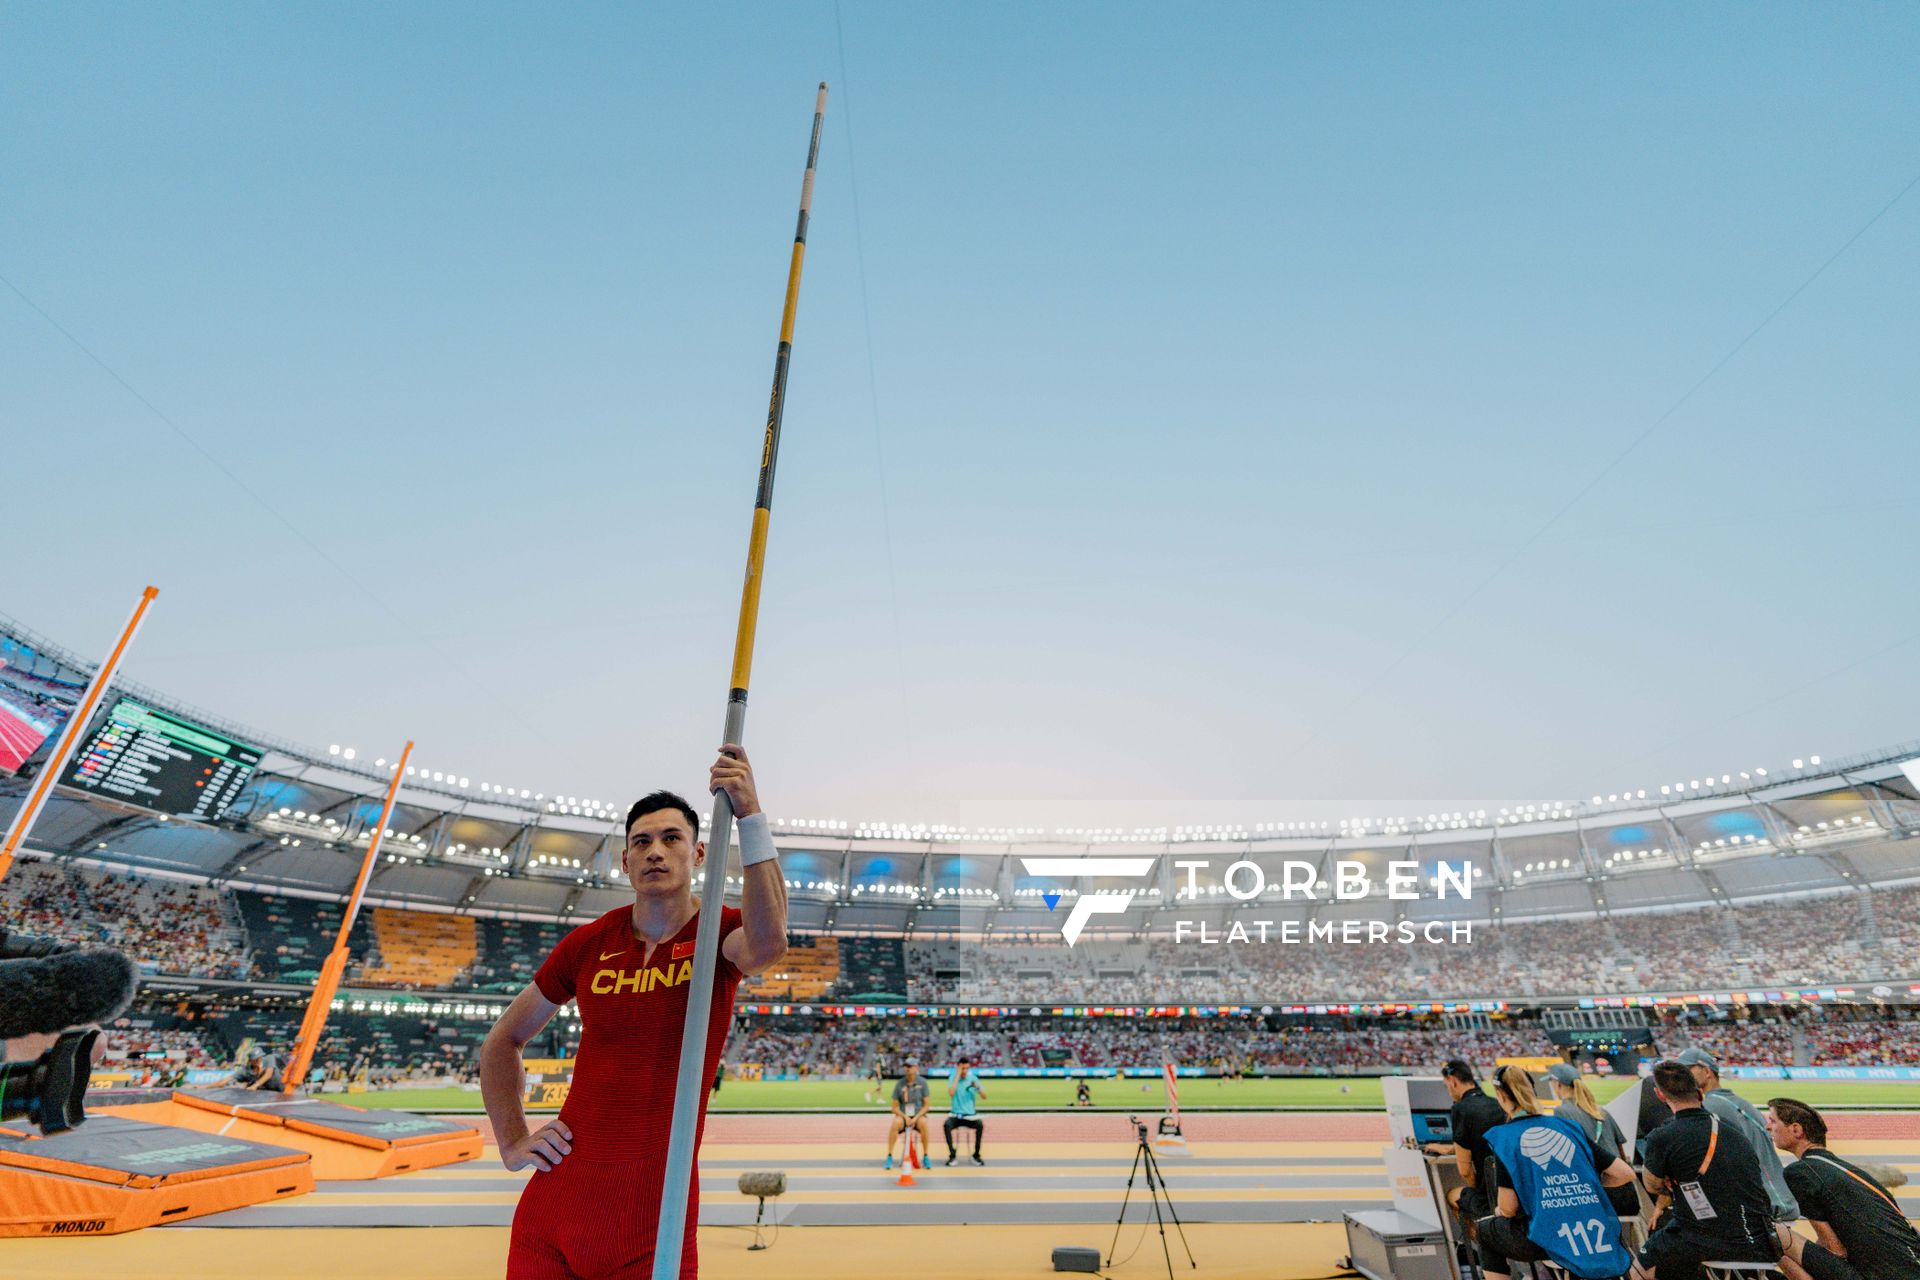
(908,1165)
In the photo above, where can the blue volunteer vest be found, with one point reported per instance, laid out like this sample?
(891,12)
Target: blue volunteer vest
(1569,1214)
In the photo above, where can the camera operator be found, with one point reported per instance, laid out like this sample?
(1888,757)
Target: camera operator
(1472,1115)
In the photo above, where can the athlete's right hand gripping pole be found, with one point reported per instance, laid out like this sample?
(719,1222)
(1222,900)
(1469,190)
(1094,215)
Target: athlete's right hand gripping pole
(690,1084)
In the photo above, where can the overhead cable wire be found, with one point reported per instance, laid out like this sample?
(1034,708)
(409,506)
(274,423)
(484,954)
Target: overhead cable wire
(1461,602)
(873,398)
(300,535)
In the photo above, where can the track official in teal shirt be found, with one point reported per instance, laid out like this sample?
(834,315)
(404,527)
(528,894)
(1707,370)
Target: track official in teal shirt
(964,1111)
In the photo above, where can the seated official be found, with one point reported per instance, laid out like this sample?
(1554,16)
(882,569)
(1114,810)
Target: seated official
(1473,1114)
(1719,1208)
(910,1097)
(1743,1115)
(1579,1108)
(1863,1234)
(1548,1182)
(963,1109)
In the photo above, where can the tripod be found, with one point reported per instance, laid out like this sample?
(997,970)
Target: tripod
(1143,1158)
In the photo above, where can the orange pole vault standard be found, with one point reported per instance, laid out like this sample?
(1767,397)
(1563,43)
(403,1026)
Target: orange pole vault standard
(330,973)
(76,725)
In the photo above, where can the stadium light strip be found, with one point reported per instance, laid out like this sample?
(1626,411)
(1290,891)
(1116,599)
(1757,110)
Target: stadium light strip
(1087,866)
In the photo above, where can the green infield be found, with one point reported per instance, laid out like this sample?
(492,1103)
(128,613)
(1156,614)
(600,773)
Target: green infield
(1200,1094)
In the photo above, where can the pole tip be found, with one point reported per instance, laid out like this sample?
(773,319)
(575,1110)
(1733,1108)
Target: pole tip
(823,86)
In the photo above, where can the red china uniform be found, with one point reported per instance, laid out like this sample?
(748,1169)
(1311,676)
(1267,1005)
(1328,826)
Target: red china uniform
(594,1216)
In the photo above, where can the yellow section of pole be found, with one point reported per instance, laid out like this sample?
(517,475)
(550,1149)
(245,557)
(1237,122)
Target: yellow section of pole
(750,599)
(336,964)
(76,725)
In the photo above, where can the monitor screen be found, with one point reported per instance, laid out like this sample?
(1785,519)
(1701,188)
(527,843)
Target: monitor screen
(159,761)
(36,697)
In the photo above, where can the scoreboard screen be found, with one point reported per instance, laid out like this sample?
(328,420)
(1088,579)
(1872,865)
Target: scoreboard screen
(158,761)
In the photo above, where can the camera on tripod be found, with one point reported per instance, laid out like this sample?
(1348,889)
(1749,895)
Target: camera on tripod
(1157,1197)
(57,989)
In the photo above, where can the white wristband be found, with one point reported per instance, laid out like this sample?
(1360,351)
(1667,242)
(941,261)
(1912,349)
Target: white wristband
(756,840)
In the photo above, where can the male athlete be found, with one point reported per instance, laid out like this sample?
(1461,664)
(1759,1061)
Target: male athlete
(592,1206)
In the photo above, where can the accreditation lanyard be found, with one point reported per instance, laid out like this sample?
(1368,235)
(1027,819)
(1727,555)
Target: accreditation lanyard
(1874,1187)
(1696,1195)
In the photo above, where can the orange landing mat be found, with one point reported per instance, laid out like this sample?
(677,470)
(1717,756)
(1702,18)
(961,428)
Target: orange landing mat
(348,1144)
(113,1175)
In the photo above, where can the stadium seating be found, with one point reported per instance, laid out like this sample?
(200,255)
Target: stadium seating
(1746,1043)
(390,1044)
(872,969)
(849,1045)
(1757,944)
(410,1042)
(182,927)
(292,936)
(810,971)
(511,950)
(1896,923)
(154,1055)
(38,898)
(420,950)
(170,926)
(185,927)
(1877,1042)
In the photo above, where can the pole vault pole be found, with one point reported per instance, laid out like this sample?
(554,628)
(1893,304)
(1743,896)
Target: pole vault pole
(76,725)
(329,982)
(690,1086)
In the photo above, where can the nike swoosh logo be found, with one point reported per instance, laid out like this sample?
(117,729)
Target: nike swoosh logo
(606,954)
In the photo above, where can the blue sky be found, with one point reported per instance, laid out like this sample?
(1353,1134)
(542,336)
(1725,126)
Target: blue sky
(1203,413)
